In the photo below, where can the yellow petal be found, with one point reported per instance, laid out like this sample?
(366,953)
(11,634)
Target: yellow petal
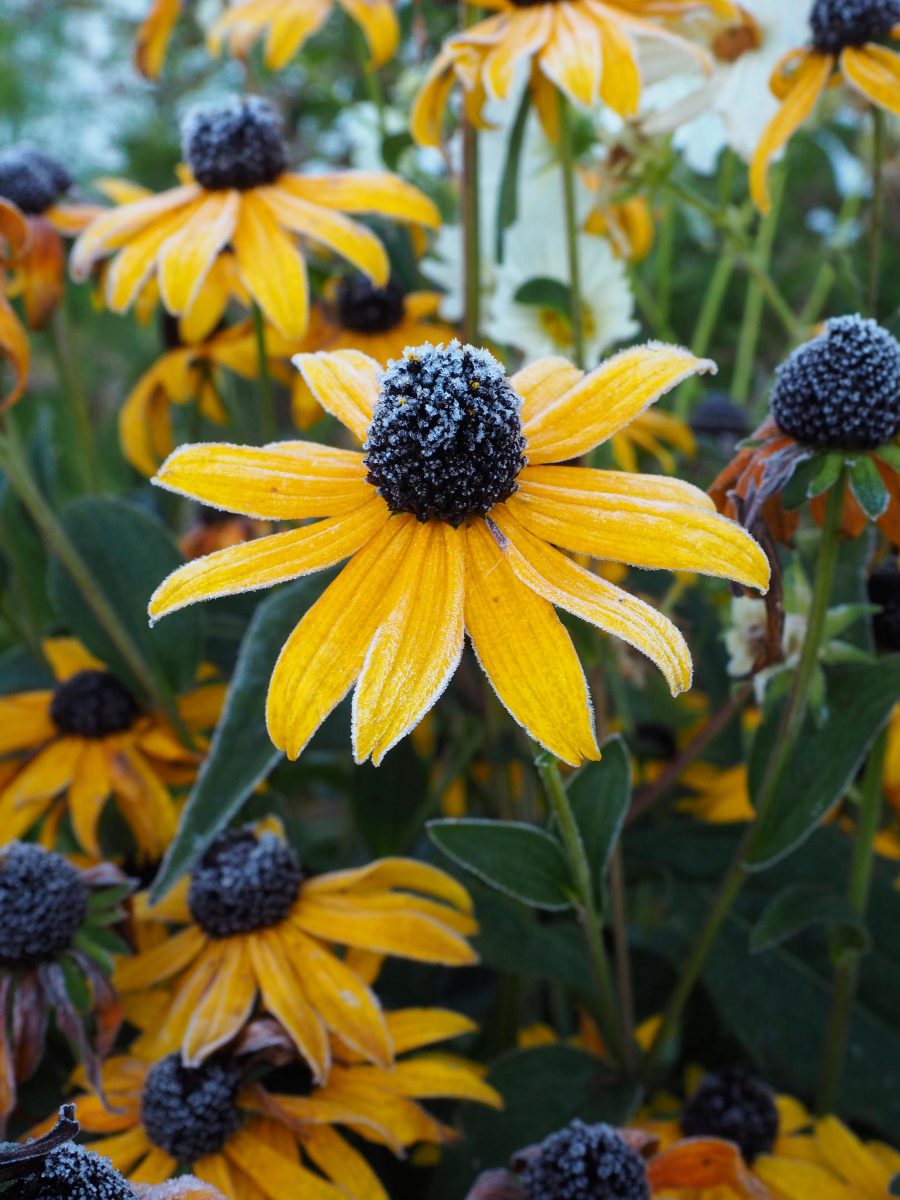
(849,1158)
(607,399)
(642,533)
(276,1176)
(152,39)
(325,653)
(341,1163)
(567,585)
(283,996)
(366,192)
(266,561)
(284,480)
(271,267)
(543,382)
(397,929)
(25,721)
(226,1006)
(800,1180)
(406,873)
(187,255)
(16,350)
(131,270)
(442,1075)
(378,21)
(875,71)
(339,233)
(418,646)
(115,228)
(528,30)
(807,85)
(571,58)
(614,483)
(345,383)
(620,84)
(155,966)
(67,657)
(431,102)
(289,27)
(526,653)
(45,775)
(88,794)
(412,1028)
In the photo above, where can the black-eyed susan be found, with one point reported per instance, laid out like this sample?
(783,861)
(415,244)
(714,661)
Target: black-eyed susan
(288,23)
(14,345)
(379,321)
(54,959)
(183,374)
(835,405)
(588,49)
(88,739)
(846,44)
(254,926)
(239,193)
(279,1136)
(34,182)
(451,514)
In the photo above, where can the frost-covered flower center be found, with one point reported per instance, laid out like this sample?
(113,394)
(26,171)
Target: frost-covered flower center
(841,391)
(734,1106)
(446,438)
(43,904)
(585,1162)
(190,1111)
(365,308)
(244,882)
(93,704)
(32,179)
(241,146)
(72,1173)
(839,23)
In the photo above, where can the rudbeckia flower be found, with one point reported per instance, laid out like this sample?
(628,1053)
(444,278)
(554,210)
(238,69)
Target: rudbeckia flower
(379,321)
(588,49)
(254,925)
(451,514)
(259,1144)
(836,396)
(847,37)
(288,23)
(89,739)
(182,375)
(240,194)
(53,960)
(34,183)
(14,346)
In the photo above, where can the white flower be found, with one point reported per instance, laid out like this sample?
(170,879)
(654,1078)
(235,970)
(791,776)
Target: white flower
(746,640)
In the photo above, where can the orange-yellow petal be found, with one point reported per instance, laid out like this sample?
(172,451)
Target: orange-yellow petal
(281,989)
(115,228)
(271,267)
(186,257)
(378,21)
(226,1006)
(366,192)
(875,72)
(345,383)
(153,36)
(335,231)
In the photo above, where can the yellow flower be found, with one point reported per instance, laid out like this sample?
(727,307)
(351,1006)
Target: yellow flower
(255,1144)
(288,23)
(182,374)
(845,45)
(451,441)
(379,321)
(585,48)
(721,795)
(88,739)
(239,194)
(830,1162)
(254,926)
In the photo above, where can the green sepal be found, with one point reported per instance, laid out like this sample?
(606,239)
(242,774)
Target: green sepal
(868,487)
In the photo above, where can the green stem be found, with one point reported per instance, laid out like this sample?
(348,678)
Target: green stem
(266,395)
(792,719)
(567,166)
(508,196)
(619,916)
(588,914)
(14,462)
(665,254)
(754,302)
(370,78)
(707,319)
(877,209)
(846,972)
(78,412)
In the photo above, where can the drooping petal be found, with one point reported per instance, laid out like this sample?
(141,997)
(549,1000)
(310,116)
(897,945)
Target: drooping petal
(378,21)
(289,27)
(431,102)
(442,1075)
(527,33)
(152,38)
(113,229)
(418,646)
(620,83)
(325,653)
(43,270)
(571,57)
(607,399)
(407,873)
(875,71)
(807,85)
(155,966)
(332,229)
(365,192)
(569,586)
(186,257)
(271,267)
(526,653)
(274,1175)
(413,1028)
(16,350)
(642,533)
(281,988)
(281,481)
(133,266)
(226,1006)
(345,383)
(345,1166)
(88,794)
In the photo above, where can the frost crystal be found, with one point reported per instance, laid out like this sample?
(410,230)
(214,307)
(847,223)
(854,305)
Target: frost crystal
(72,1173)
(190,1111)
(839,23)
(244,882)
(241,146)
(586,1162)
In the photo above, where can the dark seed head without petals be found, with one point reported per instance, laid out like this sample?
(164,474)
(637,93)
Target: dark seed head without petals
(43,904)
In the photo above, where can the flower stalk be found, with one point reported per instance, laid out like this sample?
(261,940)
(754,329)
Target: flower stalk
(567,167)
(877,210)
(78,416)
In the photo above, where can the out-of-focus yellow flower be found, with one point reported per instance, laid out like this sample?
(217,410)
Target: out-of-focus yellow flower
(238,195)
(450,530)
(721,795)
(288,23)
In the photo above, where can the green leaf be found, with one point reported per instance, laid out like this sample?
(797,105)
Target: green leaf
(129,554)
(795,490)
(868,487)
(517,859)
(545,293)
(798,907)
(241,754)
(600,794)
(889,454)
(825,471)
(825,759)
